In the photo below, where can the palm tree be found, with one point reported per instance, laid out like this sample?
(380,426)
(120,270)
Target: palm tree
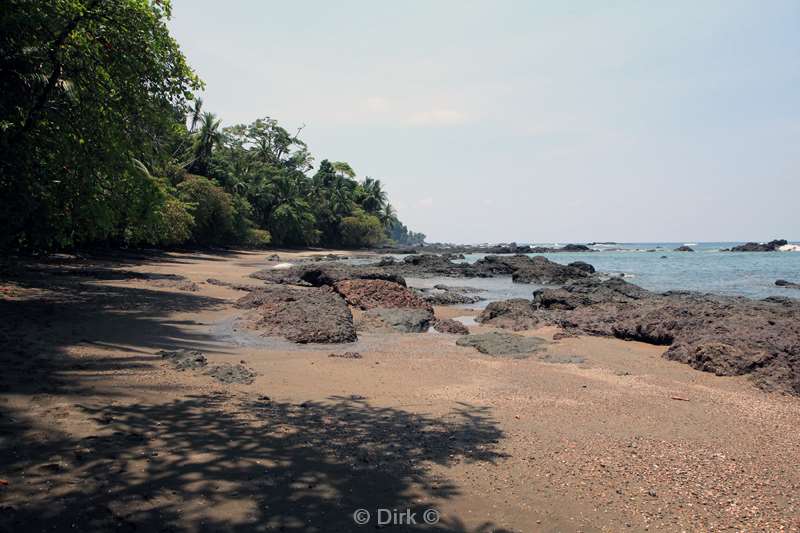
(374,196)
(387,215)
(194,117)
(208,137)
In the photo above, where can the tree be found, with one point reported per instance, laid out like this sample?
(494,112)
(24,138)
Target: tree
(86,86)
(207,138)
(374,197)
(361,230)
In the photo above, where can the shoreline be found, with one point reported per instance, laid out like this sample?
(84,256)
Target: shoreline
(417,421)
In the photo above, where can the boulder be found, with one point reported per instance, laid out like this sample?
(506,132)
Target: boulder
(770,246)
(405,320)
(448,325)
(516,314)
(541,270)
(582,265)
(299,314)
(787,284)
(323,273)
(588,291)
(684,248)
(503,344)
(373,293)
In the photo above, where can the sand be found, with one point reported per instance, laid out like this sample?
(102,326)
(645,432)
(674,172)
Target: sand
(99,433)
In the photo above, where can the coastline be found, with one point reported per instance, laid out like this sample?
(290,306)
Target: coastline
(624,438)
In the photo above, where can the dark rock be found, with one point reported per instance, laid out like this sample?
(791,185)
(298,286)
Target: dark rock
(581,265)
(575,248)
(406,320)
(760,247)
(273,257)
(543,271)
(516,314)
(723,335)
(347,355)
(325,273)
(449,297)
(449,325)
(787,284)
(228,373)
(443,287)
(505,344)
(184,359)
(588,291)
(684,249)
(299,314)
(373,293)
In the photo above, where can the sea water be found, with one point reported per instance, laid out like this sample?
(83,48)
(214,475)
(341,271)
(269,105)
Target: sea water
(655,266)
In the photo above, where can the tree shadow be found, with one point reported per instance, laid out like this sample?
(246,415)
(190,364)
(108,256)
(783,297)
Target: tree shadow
(182,465)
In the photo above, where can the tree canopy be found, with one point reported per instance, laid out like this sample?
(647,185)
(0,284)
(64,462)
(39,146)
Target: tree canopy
(104,141)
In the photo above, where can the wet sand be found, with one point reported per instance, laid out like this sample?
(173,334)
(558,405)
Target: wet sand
(97,432)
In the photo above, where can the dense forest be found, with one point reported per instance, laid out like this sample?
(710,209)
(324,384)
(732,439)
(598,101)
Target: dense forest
(104,142)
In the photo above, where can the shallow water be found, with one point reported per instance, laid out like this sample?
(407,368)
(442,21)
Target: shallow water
(751,274)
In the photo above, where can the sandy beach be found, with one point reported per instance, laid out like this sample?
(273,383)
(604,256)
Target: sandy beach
(99,432)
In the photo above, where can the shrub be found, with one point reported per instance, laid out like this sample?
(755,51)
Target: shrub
(361,230)
(212,208)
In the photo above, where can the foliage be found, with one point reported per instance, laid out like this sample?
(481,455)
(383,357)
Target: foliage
(85,86)
(103,141)
(212,208)
(361,231)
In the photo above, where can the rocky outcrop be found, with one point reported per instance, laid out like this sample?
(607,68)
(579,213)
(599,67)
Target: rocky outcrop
(324,273)
(684,248)
(524,269)
(403,320)
(516,314)
(374,293)
(787,284)
(582,265)
(449,296)
(299,314)
(588,291)
(771,246)
(540,270)
(448,325)
(503,344)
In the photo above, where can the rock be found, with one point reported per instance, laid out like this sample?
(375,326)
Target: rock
(374,293)
(684,248)
(273,257)
(236,286)
(760,247)
(228,373)
(448,325)
(449,297)
(516,314)
(347,355)
(543,271)
(323,273)
(457,288)
(724,335)
(787,284)
(504,344)
(299,314)
(575,248)
(184,359)
(407,320)
(587,292)
(581,265)
(524,269)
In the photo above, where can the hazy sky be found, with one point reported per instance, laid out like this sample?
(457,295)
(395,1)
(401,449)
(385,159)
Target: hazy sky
(530,121)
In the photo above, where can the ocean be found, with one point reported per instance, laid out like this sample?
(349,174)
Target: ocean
(707,269)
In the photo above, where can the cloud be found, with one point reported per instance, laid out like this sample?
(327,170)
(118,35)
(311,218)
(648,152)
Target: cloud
(425,203)
(437,117)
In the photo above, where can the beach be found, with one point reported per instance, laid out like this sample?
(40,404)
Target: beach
(99,430)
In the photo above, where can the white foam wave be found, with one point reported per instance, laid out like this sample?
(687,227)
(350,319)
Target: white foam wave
(790,248)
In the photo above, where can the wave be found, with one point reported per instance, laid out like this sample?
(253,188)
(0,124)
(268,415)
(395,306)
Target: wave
(790,248)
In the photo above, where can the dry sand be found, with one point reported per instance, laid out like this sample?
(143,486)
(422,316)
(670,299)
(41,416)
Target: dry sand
(98,433)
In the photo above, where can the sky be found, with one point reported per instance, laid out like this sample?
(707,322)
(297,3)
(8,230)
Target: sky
(529,121)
